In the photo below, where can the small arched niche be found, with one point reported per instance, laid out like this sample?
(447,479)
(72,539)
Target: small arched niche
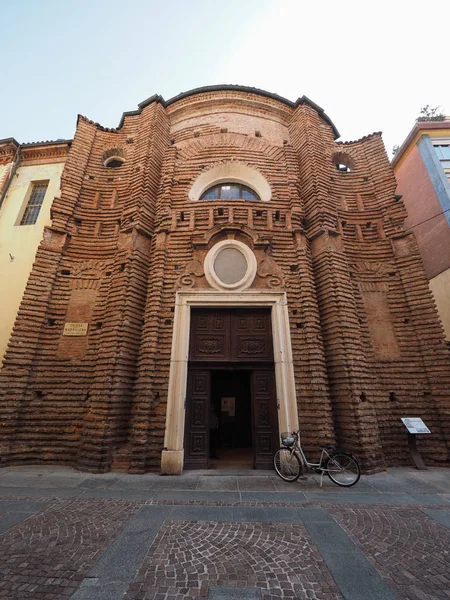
(113,158)
(343,162)
(231,172)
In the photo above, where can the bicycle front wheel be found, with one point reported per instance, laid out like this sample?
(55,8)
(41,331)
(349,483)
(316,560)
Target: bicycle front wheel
(287,464)
(343,469)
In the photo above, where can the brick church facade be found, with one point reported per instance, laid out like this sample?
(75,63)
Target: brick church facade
(222,252)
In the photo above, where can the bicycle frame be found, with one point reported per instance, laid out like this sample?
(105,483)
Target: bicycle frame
(317,467)
(341,467)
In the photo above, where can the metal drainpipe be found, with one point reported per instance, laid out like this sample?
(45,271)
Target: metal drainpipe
(11,175)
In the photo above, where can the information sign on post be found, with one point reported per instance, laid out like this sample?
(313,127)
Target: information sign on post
(415,426)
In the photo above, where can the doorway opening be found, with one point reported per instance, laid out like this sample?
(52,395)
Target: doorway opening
(230,371)
(231,431)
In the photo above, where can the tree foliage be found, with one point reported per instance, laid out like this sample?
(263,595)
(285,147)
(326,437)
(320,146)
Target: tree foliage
(428,113)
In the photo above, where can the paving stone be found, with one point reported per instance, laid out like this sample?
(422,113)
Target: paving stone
(248,513)
(27,506)
(16,479)
(279,497)
(32,492)
(296,486)
(175,483)
(10,519)
(119,494)
(433,479)
(228,484)
(202,513)
(361,498)
(58,481)
(437,499)
(388,483)
(197,496)
(91,589)
(97,483)
(255,484)
(441,516)
(233,593)
(133,484)
(328,486)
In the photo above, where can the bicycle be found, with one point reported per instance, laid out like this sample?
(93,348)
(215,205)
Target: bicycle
(341,467)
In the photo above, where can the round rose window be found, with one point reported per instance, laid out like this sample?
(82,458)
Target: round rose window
(230,265)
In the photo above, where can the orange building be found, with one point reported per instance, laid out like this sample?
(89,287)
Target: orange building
(219,269)
(422,169)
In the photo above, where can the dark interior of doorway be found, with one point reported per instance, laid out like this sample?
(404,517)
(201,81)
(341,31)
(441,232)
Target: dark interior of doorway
(231,436)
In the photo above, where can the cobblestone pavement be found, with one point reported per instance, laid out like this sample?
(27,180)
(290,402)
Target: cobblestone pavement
(189,557)
(47,555)
(410,550)
(68,535)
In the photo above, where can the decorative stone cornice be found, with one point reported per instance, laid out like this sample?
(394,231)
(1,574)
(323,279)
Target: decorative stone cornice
(45,153)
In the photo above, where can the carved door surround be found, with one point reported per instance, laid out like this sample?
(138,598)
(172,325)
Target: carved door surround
(173,454)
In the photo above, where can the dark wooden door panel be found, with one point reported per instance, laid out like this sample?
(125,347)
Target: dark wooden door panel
(210,336)
(233,335)
(197,419)
(265,417)
(251,335)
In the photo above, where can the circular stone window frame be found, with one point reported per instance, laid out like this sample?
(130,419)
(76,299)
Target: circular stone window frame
(211,275)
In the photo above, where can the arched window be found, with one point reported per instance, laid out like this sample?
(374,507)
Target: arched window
(343,162)
(229,191)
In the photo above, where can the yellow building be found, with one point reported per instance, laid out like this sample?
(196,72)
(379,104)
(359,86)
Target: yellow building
(30,177)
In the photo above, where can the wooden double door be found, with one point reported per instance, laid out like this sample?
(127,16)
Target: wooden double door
(231,385)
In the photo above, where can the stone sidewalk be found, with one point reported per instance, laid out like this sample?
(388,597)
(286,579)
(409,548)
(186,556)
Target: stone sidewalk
(74,535)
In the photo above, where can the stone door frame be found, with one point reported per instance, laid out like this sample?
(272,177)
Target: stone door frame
(173,453)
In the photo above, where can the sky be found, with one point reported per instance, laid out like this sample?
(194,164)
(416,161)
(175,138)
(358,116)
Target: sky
(371,66)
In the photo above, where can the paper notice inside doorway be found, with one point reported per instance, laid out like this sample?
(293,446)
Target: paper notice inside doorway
(229,406)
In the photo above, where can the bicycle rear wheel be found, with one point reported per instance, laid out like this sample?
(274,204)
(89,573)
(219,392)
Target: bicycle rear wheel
(343,469)
(287,464)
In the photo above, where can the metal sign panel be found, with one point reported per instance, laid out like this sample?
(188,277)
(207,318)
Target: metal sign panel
(415,425)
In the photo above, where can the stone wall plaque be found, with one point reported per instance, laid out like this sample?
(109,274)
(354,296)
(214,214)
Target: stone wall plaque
(75,329)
